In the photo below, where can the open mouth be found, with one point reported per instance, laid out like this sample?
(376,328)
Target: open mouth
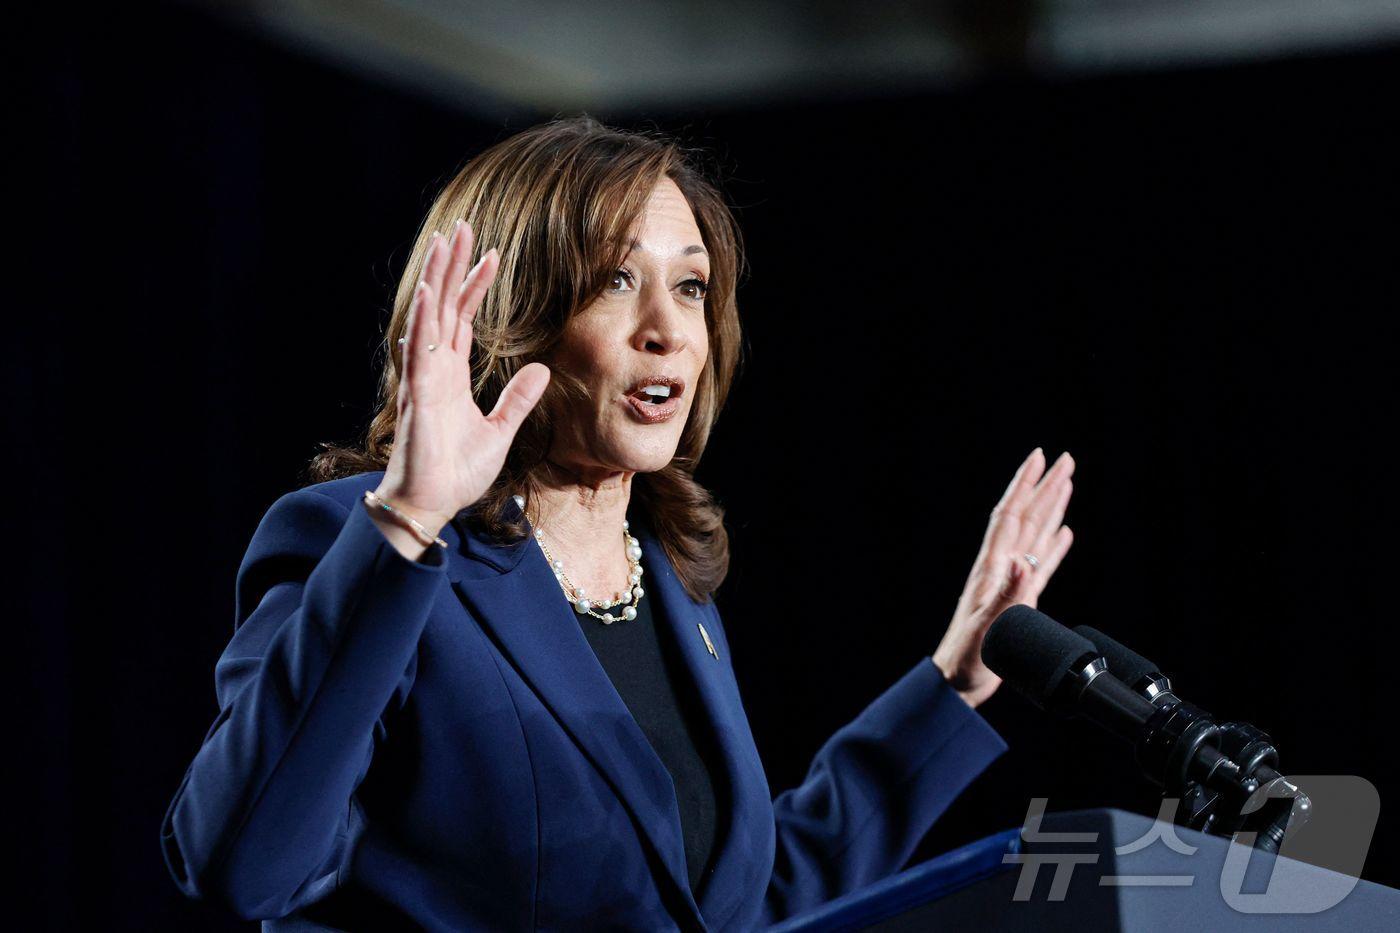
(657,389)
(653,394)
(656,398)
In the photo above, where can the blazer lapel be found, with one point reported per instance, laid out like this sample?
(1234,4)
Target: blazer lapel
(738,869)
(519,604)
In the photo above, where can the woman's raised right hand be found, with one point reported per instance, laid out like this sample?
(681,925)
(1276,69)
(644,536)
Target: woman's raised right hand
(446,452)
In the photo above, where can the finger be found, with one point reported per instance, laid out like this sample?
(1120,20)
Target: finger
(1041,543)
(418,333)
(1013,591)
(425,278)
(1005,513)
(1058,547)
(478,280)
(434,271)
(1036,514)
(1059,471)
(459,252)
(518,397)
(475,287)
(1026,476)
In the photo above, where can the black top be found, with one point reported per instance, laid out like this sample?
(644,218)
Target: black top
(643,661)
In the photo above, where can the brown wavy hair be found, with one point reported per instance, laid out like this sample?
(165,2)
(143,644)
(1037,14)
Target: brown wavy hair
(559,201)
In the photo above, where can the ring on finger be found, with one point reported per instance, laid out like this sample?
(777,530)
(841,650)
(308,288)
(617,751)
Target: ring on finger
(1032,560)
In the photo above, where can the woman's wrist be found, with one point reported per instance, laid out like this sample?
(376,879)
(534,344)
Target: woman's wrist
(431,522)
(411,531)
(970,697)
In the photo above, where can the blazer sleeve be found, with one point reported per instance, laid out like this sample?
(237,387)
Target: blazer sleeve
(326,625)
(873,790)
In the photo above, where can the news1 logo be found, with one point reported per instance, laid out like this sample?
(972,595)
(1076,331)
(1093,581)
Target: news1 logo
(1316,869)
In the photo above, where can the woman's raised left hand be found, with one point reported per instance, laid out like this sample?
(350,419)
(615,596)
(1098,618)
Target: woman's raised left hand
(1025,521)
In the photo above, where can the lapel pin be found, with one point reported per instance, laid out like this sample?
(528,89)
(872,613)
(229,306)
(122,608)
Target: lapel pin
(708,644)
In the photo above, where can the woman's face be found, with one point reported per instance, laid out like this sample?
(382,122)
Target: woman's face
(647,329)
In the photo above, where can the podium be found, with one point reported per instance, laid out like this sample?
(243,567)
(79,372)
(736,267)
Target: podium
(1126,877)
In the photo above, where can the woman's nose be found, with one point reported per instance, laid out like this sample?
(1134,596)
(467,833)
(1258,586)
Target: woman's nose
(662,325)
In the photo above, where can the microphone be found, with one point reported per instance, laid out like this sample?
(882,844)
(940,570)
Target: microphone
(1059,670)
(1132,668)
(1250,748)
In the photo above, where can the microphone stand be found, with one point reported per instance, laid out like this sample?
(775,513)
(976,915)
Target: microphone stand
(1224,774)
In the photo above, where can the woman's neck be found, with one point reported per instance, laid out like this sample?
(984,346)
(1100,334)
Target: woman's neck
(580,516)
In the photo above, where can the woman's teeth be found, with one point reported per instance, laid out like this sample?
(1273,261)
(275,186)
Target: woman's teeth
(655,403)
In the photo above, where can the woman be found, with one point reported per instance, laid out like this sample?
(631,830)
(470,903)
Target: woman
(477,678)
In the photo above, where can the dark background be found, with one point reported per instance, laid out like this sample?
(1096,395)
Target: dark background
(1187,279)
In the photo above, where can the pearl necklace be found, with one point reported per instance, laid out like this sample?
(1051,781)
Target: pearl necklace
(575,594)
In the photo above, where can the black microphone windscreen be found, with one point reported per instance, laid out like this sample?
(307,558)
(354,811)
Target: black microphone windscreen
(1124,663)
(1034,653)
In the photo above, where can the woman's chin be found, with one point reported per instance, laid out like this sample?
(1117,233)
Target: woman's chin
(644,456)
(650,464)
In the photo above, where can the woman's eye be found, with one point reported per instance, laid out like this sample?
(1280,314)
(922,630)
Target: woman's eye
(694,288)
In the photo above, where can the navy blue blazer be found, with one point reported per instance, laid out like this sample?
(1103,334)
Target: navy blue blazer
(435,745)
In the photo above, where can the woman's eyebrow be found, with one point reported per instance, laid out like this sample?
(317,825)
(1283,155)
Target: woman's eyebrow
(688,251)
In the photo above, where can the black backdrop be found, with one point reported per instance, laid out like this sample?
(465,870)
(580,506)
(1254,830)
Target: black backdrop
(1186,279)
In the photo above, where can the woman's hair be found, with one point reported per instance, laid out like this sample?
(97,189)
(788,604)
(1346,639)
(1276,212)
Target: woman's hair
(560,202)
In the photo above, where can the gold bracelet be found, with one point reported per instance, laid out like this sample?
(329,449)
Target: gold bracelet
(416,525)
